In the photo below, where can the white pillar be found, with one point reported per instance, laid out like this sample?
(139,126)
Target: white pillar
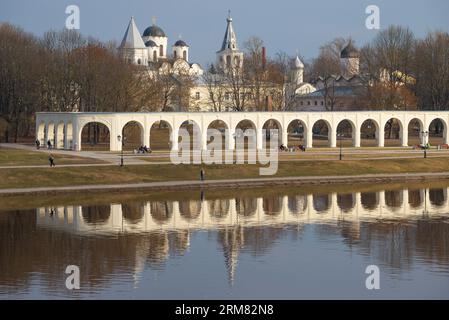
(380,136)
(332,135)
(404,137)
(308,136)
(259,138)
(356,136)
(230,139)
(146,135)
(284,137)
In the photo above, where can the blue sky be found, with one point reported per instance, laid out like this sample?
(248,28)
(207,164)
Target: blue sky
(284,25)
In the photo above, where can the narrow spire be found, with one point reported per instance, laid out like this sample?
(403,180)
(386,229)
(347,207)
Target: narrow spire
(230,39)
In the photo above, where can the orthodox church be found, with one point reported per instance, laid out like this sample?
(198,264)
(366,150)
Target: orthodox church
(150,49)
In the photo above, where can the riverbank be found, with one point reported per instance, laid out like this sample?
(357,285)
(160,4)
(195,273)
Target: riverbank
(180,185)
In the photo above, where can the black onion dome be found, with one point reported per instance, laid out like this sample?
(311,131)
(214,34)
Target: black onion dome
(180,43)
(154,31)
(349,51)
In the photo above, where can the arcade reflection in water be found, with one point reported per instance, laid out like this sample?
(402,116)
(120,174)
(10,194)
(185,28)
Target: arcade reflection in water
(129,236)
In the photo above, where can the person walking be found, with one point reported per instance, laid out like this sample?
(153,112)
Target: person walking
(38,144)
(202,174)
(51,159)
(49,144)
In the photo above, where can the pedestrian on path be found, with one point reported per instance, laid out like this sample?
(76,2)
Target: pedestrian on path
(51,159)
(38,144)
(202,174)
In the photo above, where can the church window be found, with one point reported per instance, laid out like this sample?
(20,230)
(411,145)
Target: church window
(228,61)
(236,61)
(161,50)
(154,55)
(316,102)
(302,103)
(139,61)
(308,102)
(175,54)
(197,96)
(322,102)
(184,55)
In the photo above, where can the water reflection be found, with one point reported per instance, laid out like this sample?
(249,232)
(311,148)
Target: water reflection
(395,226)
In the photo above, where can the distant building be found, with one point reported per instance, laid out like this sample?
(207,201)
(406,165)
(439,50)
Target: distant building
(336,92)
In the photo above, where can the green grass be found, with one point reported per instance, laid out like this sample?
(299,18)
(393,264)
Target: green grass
(46,177)
(13,157)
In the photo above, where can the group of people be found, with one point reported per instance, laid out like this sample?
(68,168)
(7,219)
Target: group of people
(301,147)
(38,144)
(143,149)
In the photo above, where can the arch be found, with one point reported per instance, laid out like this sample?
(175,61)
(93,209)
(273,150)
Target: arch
(297,204)
(184,54)
(41,130)
(246,206)
(322,133)
(346,133)
(161,211)
(190,209)
(296,133)
(59,135)
(321,202)
(221,126)
(394,199)
(154,55)
(369,133)
(437,196)
(369,200)
(132,135)
(161,50)
(245,134)
(346,201)
(268,125)
(95,135)
(160,135)
(414,127)
(218,208)
(393,133)
(194,131)
(96,214)
(272,206)
(437,132)
(50,135)
(415,197)
(133,212)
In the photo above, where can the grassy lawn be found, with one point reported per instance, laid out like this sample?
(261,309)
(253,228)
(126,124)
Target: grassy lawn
(45,177)
(13,157)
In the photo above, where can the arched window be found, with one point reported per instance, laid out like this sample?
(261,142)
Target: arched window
(184,55)
(154,55)
(175,54)
(228,61)
(161,50)
(139,61)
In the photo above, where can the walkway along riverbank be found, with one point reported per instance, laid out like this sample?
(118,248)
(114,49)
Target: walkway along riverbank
(232,183)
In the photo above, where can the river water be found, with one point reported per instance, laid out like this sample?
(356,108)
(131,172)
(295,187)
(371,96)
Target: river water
(267,244)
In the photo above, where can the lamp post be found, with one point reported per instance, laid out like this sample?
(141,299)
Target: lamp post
(122,140)
(424,137)
(339,138)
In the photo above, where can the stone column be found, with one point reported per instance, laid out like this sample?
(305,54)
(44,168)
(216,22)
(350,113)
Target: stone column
(332,136)
(308,136)
(356,137)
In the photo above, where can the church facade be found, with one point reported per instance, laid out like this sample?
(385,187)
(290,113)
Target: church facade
(150,50)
